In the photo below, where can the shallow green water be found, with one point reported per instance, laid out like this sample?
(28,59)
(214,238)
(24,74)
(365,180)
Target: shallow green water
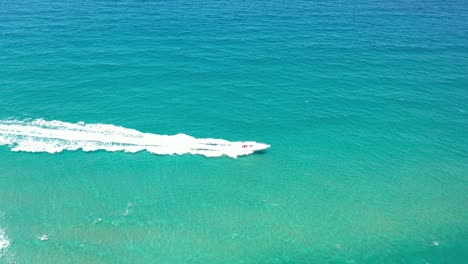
(363,102)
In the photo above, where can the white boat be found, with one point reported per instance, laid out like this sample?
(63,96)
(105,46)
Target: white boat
(215,147)
(253,146)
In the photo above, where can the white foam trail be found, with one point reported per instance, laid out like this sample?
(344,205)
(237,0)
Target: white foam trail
(56,136)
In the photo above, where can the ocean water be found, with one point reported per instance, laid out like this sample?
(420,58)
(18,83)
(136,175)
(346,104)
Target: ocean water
(364,104)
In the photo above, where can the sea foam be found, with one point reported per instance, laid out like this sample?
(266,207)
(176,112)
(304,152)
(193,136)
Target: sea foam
(4,243)
(56,136)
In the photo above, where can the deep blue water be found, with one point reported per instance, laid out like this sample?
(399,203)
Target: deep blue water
(363,102)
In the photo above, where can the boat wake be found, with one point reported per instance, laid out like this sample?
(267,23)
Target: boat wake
(56,136)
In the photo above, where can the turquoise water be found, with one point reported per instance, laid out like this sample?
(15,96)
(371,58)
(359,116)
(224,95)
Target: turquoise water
(363,102)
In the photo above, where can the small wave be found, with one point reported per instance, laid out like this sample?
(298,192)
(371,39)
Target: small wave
(4,243)
(56,136)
